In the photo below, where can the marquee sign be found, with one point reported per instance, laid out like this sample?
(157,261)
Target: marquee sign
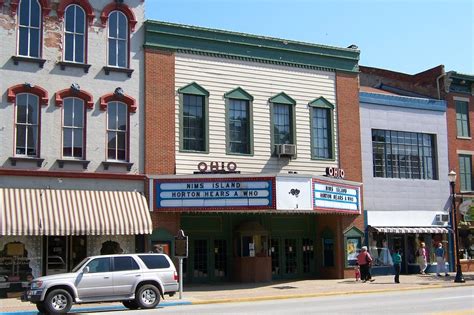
(332,197)
(215,193)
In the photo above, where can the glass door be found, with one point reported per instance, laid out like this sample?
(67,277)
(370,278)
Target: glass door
(220,259)
(308,255)
(275,254)
(78,246)
(57,257)
(200,267)
(291,262)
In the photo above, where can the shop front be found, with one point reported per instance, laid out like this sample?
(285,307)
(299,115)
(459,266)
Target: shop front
(45,232)
(254,228)
(384,240)
(466,233)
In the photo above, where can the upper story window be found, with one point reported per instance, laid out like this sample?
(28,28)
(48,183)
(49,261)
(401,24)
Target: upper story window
(75,34)
(322,144)
(117,131)
(239,122)
(29,28)
(193,118)
(73,128)
(118,39)
(462,119)
(27,125)
(465,172)
(399,154)
(283,119)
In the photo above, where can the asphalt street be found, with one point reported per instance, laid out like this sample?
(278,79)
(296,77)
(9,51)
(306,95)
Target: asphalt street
(433,301)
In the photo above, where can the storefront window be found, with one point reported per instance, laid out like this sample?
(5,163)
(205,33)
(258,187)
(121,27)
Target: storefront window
(20,262)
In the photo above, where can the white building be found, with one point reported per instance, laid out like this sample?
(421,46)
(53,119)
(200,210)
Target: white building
(71,153)
(405,167)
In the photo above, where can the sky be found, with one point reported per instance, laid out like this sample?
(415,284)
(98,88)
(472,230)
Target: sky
(407,36)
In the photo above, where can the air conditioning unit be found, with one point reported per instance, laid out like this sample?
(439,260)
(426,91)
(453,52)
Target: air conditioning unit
(286,150)
(442,218)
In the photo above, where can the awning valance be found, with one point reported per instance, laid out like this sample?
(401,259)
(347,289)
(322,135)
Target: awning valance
(411,230)
(73,212)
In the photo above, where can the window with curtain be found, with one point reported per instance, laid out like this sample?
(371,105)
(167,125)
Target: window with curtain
(239,126)
(73,128)
(282,124)
(118,40)
(27,125)
(193,123)
(321,133)
(29,28)
(399,154)
(462,119)
(465,172)
(74,34)
(117,131)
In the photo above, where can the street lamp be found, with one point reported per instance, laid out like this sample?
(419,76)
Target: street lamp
(454,222)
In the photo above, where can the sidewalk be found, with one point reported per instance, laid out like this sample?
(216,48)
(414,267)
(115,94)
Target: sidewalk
(236,292)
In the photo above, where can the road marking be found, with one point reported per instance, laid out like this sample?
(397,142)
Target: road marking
(454,297)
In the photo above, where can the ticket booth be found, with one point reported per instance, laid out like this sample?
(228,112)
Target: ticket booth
(253,262)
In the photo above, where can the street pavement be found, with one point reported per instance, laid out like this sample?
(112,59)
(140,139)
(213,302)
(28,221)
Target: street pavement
(248,292)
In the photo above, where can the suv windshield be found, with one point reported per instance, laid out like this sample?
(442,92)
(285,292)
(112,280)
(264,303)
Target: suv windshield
(80,265)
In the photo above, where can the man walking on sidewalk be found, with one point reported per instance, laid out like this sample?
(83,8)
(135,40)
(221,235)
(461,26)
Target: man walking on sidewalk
(440,263)
(397,260)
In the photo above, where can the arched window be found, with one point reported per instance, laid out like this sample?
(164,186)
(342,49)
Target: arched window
(30,28)
(27,124)
(75,34)
(117,39)
(73,127)
(117,131)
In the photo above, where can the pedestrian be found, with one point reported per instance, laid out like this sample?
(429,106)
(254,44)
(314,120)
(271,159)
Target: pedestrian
(364,260)
(357,271)
(422,258)
(397,264)
(440,262)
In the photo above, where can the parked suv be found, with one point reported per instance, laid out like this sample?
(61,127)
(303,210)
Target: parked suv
(137,280)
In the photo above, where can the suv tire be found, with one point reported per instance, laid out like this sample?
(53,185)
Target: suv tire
(58,301)
(40,307)
(148,296)
(131,304)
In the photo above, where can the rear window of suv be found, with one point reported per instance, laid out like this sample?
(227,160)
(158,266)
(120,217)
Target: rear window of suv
(155,261)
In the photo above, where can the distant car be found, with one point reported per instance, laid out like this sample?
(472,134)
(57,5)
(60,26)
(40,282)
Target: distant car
(137,280)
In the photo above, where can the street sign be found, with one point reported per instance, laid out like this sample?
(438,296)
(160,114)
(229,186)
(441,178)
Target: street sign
(181,245)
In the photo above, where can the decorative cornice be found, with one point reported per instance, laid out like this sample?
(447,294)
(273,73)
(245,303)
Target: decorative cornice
(27,88)
(111,97)
(115,6)
(190,39)
(95,175)
(402,101)
(82,3)
(85,96)
(43,3)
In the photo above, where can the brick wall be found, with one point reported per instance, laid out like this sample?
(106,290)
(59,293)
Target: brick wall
(160,112)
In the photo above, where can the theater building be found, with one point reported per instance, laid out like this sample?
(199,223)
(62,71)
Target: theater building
(240,131)
(71,154)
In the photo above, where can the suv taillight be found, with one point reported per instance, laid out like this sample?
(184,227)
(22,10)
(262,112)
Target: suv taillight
(176,276)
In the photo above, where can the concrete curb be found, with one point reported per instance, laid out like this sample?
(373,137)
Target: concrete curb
(309,295)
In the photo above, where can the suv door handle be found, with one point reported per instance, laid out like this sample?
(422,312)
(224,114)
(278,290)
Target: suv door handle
(137,275)
(106,277)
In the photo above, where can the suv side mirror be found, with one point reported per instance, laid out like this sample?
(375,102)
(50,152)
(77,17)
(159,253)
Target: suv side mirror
(86,269)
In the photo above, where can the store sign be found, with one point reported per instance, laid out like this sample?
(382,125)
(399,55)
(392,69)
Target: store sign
(293,193)
(335,172)
(333,197)
(217,167)
(215,193)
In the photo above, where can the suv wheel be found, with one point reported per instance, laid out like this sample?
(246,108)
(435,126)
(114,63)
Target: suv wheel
(58,302)
(131,305)
(148,296)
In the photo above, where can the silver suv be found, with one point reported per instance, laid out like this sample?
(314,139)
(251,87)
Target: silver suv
(137,280)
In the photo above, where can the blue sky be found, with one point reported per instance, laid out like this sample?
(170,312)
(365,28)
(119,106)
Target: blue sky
(400,35)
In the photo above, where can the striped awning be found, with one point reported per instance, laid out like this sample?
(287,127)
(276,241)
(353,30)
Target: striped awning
(73,212)
(411,230)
